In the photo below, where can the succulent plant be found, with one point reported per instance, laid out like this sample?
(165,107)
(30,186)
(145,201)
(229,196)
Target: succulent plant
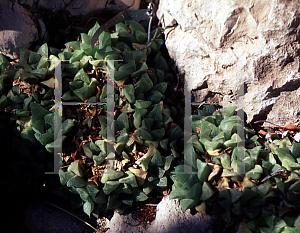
(215,186)
(149,145)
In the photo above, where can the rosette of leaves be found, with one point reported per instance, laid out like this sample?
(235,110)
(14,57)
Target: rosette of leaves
(144,121)
(211,181)
(26,101)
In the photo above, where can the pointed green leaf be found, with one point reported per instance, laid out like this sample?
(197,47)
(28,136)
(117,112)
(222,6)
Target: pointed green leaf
(109,175)
(129,93)
(124,119)
(88,206)
(92,31)
(203,170)
(76,168)
(110,186)
(156,113)
(104,40)
(143,85)
(207,191)
(188,203)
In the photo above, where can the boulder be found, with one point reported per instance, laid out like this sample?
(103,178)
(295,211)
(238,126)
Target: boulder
(169,218)
(81,7)
(41,217)
(238,52)
(17,29)
(22,23)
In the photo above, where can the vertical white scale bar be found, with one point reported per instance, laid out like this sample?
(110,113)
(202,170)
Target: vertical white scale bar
(57,119)
(240,155)
(110,115)
(188,146)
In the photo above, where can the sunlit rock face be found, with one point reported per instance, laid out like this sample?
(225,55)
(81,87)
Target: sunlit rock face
(238,52)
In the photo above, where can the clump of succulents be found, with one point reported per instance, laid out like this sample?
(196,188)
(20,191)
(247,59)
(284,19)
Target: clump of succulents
(216,186)
(148,135)
(147,138)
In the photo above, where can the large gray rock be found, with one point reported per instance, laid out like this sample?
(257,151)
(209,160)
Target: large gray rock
(81,7)
(20,27)
(17,29)
(223,45)
(169,219)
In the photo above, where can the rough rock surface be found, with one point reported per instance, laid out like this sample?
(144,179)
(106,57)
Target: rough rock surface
(21,27)
(169,219)
(17,29)
(83,7)
(239,50)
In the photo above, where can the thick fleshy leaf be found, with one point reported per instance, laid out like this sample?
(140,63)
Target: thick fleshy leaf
(145,135)
(38,112)
(255,173)
(143,85)
(75,45)
(284,153)
(66,126)
(81,75)
(155,97)
(207,191)
(124,119)
(188,203)
(113,203)
(88,206)
(29,77)
(130,179)
(76,182)
(99,159)
(56,144)
(83,93)
(110,186)
(142,104)
(135,26)
(178,192)
(143,69)
(203,170)
(104,40)
(139,174)
(137,116)
(156,159)
(126,37)
(195,192)
(295,150)
(235,195)
(65,176)
(109,175)
(85,38)
(121,26)
(129,93)
(77,55)
(76,168)
(92,31)
(34,58)
(161,87)
(156,113)
(243,228)
(139,195)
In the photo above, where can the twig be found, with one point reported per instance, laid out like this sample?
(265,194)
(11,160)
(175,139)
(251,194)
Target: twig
(154,37)
(71,215)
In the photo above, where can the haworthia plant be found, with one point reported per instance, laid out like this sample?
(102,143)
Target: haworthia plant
(148,136)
